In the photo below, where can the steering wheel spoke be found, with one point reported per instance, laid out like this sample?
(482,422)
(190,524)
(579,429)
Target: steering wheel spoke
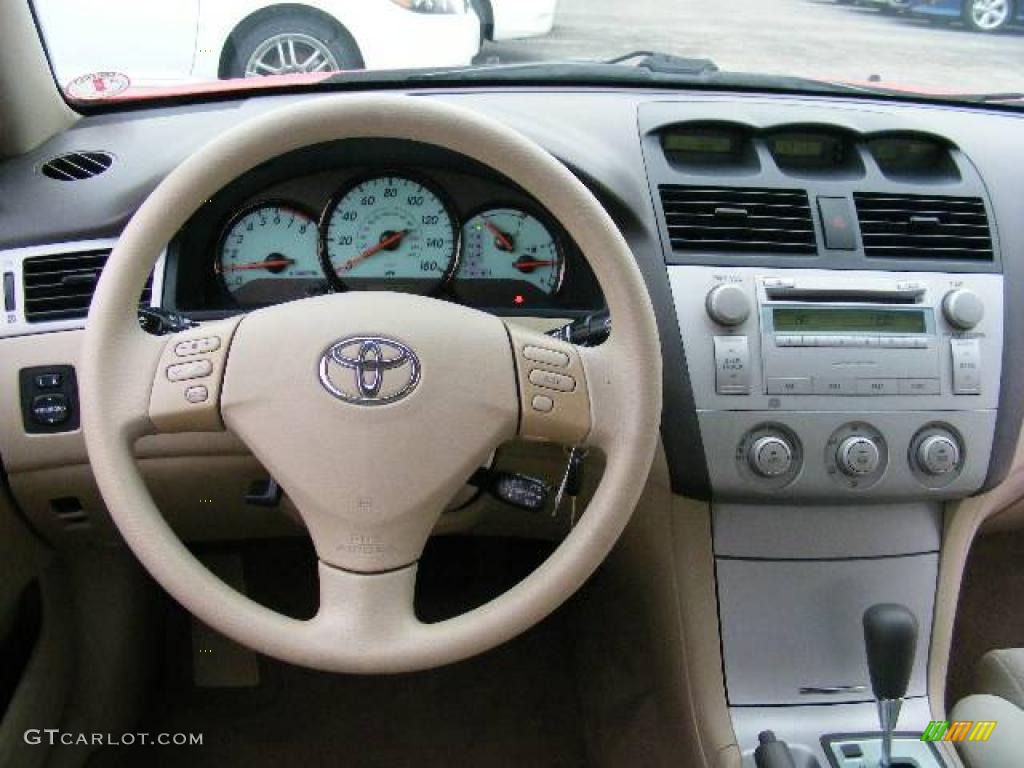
(187,383)
(359,609)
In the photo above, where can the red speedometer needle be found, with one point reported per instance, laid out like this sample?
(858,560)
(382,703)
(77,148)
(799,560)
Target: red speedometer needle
(532,264)
(269,264)
(384,244)
(504,241)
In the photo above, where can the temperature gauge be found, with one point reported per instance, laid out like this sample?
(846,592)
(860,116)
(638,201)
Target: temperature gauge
(512,246)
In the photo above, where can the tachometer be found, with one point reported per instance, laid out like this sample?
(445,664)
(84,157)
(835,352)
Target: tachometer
(513,246)
(268,253)
(390,233)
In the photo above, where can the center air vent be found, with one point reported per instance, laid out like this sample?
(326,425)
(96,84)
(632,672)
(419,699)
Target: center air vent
(76,166)
(60,287)
(924,227)
(738,220)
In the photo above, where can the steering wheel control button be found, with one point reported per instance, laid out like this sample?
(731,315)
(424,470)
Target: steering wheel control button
(50,410)
(197,369)
(858,456)
(732,365)
(542,404)
(202,346)
(550,380)
(546,357)
(966,366)
(771,456)
(728,304)
(963,309)
(197,394)
(938,455)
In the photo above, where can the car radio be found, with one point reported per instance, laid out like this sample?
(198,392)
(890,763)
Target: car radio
(880,383)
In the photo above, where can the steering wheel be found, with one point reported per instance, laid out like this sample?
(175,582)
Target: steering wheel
(370,409)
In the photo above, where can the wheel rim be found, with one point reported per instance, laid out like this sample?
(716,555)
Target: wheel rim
(289,54)
(989,14)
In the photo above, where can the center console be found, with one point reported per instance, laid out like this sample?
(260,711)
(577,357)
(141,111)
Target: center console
(842,324)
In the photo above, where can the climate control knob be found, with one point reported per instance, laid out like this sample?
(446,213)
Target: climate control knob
(938,455)
(728,304)
(771,456)
(963,309)
(858,455)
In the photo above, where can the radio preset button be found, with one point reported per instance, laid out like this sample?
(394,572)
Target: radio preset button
(829,386)
(728,304)
(789,386)
(919,387)
(877,387)
(966,366)
(732,365)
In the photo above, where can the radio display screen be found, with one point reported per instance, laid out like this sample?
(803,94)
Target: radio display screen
(852,320)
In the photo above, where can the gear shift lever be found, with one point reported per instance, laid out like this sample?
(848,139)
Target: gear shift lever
(890,637)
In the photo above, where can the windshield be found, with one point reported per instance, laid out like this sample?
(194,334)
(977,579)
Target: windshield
(117,50)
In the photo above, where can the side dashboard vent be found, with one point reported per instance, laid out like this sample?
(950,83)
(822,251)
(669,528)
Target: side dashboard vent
(60,287)
(744,220)
(924,227)
(76,166)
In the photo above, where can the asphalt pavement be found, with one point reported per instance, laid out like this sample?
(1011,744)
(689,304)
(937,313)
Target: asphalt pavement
(822,39)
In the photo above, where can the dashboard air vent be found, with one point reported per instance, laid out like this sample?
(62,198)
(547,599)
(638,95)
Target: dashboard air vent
(60,287)
(76,166)
(747,220)
(923,227)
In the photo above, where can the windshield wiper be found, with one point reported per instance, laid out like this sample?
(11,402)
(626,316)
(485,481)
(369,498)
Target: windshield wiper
(667,63)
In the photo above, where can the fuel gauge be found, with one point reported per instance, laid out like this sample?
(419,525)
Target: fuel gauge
(512,246)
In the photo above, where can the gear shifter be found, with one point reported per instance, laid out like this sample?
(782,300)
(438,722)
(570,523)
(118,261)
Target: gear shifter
(890,637)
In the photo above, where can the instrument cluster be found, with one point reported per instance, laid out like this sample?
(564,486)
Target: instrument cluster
(395,231)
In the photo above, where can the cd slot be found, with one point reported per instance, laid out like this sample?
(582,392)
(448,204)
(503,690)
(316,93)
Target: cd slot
(835,295)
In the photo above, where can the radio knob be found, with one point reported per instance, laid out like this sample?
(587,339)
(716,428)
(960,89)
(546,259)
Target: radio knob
(727,304)
(771,456)
(938,455)
(858,455)
(963,308)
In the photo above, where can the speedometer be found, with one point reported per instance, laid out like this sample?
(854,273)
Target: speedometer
(390,233)
(268,254)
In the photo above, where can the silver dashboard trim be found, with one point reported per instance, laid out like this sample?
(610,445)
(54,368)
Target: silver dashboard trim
(13,324)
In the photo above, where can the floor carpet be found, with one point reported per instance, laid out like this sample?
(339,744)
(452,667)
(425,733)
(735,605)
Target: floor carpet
(515,706)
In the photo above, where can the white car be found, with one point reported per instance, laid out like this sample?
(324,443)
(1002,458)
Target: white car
(511,19)
(155,43)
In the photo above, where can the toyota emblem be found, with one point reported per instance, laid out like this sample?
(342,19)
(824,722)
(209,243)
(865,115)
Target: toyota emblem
(369,370)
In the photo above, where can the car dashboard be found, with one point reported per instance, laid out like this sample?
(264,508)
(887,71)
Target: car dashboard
(836,281)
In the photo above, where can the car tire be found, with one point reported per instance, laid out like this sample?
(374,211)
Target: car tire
(292,44)
(988,15)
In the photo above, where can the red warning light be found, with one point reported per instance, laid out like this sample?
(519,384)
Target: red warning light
(519,299)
